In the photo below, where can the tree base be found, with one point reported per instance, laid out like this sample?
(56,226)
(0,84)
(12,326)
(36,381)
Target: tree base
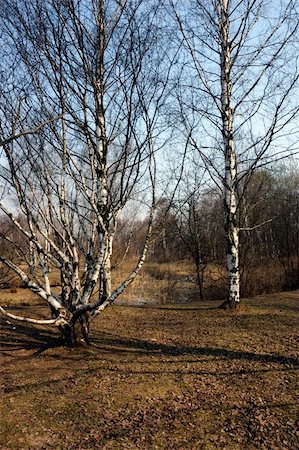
(228,305)
(76,334)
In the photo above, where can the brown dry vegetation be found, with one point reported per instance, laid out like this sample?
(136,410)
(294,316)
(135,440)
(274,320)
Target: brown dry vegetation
(155,377)
(157,283)
(174,281)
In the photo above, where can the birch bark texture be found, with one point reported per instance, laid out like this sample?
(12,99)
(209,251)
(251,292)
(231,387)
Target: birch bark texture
(230,182)
(235,97)
(95,68)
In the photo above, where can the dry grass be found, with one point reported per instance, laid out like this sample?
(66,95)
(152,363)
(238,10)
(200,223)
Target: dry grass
(157,283)
(182,377)
(175,281)
(171,282)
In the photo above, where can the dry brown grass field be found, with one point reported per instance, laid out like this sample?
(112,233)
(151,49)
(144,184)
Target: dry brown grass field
(172,282)
(156,375)
(157,282)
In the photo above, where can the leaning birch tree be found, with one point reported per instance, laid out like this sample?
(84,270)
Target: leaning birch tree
(236,96)
(89,72)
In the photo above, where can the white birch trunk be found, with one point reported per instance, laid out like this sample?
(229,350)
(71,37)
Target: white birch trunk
(230,181)
(107,223)
(107,268)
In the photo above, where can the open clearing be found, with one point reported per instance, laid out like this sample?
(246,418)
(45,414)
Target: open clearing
(170,377)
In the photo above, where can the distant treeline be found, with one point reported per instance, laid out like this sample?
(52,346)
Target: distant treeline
(192,228)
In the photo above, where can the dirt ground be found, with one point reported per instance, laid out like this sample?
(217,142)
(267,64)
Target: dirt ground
(171,377)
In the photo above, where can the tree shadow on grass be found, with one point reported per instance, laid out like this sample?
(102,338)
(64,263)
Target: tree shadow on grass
(114,353)
(27,337)
(125,345)
(16,336)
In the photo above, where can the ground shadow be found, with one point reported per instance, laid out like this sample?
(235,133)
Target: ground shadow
(104,340)
(27,337)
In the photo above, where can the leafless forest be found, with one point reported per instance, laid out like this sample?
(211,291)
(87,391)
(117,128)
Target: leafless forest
(134,129)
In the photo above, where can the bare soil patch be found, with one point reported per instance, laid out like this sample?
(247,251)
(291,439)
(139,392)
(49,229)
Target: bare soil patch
(170,377)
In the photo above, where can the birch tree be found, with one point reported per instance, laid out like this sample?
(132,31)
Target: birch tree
(236,101)
(95,68)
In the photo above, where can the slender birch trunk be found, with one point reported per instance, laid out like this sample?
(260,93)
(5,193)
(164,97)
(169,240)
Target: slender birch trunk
(230,181)
(106,279)
(104,233)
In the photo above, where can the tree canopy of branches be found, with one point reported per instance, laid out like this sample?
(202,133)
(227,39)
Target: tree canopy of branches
(80,123)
